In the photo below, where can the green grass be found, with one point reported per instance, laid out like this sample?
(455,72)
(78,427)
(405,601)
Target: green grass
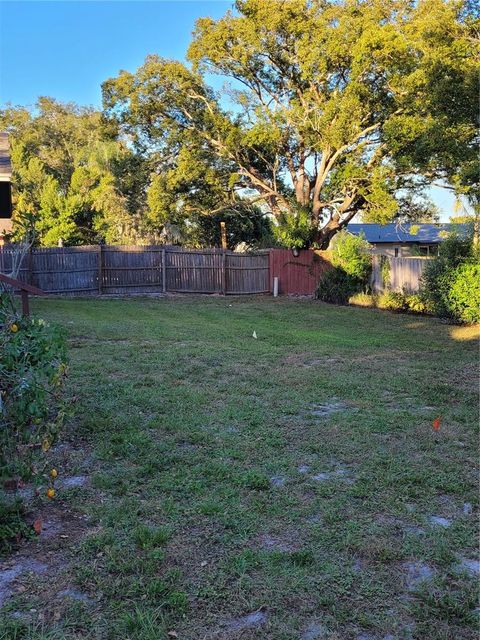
(181,421)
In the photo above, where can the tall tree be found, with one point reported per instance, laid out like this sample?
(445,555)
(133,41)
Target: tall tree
(72,176)
(335,107)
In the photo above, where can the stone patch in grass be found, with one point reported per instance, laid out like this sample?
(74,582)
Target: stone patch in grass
(416,573)
(277,481)
(303,468)
(75,594)
(276,543)
(440,521)
(328,408)
(323,476)
(9,575)
(74,481)
(250,621)
(470,565)
(51,527)
(315,631)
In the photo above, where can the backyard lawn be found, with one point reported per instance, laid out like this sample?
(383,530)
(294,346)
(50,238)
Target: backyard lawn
(290,487)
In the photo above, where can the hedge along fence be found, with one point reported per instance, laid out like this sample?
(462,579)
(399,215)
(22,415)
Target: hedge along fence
(402,273)
(103,269)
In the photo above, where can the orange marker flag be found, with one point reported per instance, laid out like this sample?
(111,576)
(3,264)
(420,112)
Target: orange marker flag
(436,423)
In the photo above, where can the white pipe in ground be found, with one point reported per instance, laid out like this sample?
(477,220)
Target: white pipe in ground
(275,287)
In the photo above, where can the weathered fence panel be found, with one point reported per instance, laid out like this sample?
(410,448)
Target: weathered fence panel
(194,271)
(404,273)
(131,268)
(246,273)
(140,269)
(298,274)
(64,269)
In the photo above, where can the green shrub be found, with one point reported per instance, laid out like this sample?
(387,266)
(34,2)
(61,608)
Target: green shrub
(440,273)
(352,266)
(392,300)
(351,253)
(415,302)
(32,371)
(337,286)
(463,296)
(363,300)
(402,301)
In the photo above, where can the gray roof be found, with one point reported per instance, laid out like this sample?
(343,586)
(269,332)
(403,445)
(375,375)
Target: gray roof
(422,233)
(5,163)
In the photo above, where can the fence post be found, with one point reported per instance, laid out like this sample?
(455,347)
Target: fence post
(224,272)
(30,266)
(100,268)
(164,271)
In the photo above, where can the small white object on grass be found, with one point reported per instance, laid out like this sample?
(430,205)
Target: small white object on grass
(254,335)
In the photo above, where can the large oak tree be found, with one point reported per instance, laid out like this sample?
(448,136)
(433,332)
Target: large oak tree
(333,107)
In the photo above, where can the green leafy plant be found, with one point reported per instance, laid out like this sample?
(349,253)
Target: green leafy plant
(294,229)
(337,286)
(352,254)
(352,266)
(385,271)
(393,300)
(449,286)
(464,294)
(32,371)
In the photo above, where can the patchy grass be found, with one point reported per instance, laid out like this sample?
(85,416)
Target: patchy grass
(221,502)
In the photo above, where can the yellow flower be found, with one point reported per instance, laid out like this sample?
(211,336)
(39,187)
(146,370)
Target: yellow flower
(53,473)
(50,493)
(14,328)
(45,445)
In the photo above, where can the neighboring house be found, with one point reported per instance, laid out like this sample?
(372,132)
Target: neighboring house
(5,187)
(406,240)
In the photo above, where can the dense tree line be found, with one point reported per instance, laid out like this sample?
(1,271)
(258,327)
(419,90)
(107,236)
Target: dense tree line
(332,109)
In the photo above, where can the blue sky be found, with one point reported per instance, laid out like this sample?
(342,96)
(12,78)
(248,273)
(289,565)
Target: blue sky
(67,49)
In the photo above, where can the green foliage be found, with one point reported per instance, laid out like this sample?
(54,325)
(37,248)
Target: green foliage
(32,371)
(337,286)
(352,254)
(244,223)
(464,293)
(12,522)
(440,274)
(71,174)
(402,301)
(385,270)
(294,229)
(352,266)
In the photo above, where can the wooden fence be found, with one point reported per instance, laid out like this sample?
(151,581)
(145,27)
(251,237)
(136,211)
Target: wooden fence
(404,273)
(141,269)
(298,274)
(161,269)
